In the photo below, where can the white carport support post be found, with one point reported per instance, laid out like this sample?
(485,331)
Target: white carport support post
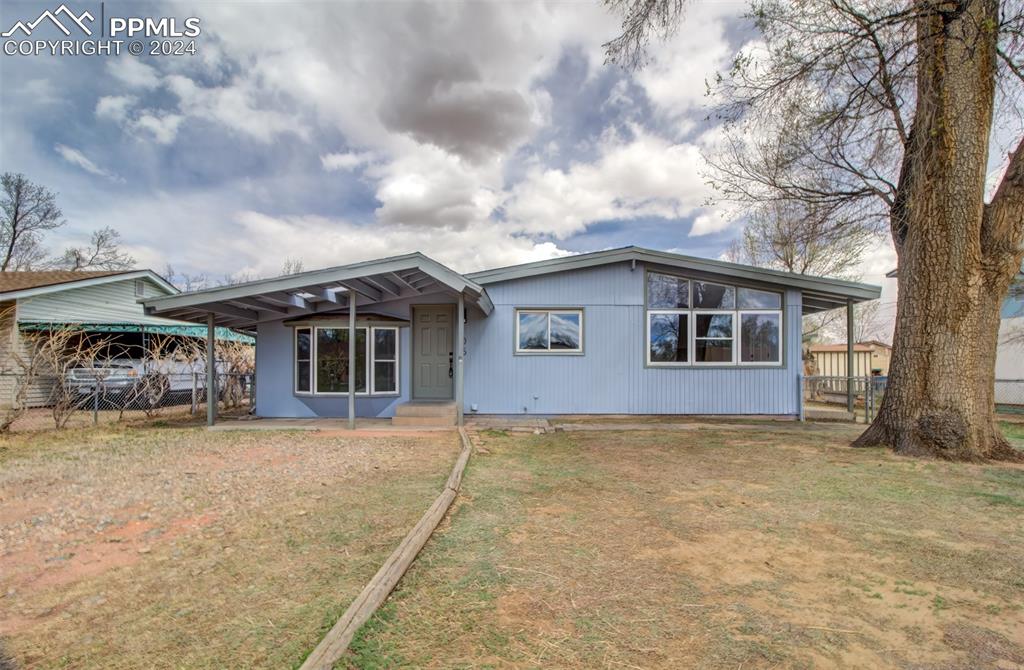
(211,370)
(460,352)
(351,359)
(849,356)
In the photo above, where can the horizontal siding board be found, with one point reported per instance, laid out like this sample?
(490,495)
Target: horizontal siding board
(112,302)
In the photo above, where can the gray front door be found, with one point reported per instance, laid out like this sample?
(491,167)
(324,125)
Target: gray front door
(432,351)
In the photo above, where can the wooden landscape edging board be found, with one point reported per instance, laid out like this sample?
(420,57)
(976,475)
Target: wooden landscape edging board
(373,595)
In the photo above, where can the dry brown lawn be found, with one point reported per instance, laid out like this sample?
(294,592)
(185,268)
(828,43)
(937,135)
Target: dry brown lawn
(713,548)
(168,547)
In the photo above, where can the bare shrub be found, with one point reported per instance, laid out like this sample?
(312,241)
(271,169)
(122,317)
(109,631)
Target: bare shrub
(57,352)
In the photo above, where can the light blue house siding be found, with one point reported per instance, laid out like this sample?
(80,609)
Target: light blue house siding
(611,376)
(275,396)
(604,291)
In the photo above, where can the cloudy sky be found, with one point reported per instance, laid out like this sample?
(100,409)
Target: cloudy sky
(483,134)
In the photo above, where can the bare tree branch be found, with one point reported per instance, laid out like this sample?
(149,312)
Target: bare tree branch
(28,212)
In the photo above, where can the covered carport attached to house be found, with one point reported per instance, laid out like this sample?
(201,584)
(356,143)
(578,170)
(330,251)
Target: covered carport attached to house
(372,299)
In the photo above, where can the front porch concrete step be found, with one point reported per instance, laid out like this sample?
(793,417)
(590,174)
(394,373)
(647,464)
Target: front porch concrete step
(423,420)
(426,409)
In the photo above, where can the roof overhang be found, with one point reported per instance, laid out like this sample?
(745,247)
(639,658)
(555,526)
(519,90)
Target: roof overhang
(91,281)
(819,293)
(184,330)
(369,283)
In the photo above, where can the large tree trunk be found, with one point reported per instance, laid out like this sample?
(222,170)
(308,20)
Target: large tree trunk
(957,256)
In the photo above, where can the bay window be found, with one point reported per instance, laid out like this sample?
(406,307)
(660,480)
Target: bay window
(322,361)
(696,322)
(333,371)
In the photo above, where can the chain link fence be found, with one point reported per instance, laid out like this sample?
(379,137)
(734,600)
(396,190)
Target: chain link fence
(829,393)
(1010,395)
(86,396)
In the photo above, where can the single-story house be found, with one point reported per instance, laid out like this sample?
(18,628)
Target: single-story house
(869,358)
(94,302)
(625,331)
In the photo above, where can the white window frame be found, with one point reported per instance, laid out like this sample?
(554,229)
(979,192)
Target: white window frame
(140,288)
(739,336)
(370,360)
(689,345)
(295,360)
(373,362)
(548,311)
(693,337)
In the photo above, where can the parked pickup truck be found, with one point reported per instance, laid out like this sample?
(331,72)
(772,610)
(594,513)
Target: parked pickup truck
(110,376)
(142,382)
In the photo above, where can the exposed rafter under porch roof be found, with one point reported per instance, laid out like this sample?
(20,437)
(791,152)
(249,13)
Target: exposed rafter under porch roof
(371,283)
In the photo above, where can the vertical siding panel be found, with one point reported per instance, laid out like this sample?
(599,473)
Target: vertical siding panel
(611,375)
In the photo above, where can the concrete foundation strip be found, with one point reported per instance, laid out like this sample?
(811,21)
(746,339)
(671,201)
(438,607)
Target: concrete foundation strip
(373,595)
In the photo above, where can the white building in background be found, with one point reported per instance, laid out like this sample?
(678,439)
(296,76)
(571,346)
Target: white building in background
(1010,355)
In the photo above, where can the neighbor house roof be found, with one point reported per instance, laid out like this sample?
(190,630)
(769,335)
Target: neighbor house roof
(22,279)
(370,282)
(28,283)
(820,293)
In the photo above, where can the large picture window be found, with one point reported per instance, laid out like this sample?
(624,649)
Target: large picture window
(333,371)
(696,322)
(322,361)
(551,331)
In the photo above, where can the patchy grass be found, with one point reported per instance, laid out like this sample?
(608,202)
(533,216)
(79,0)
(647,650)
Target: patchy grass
(1014,432)
(713,548)
(128,547)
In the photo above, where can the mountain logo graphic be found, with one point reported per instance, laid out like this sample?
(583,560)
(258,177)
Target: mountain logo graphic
(68,15)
